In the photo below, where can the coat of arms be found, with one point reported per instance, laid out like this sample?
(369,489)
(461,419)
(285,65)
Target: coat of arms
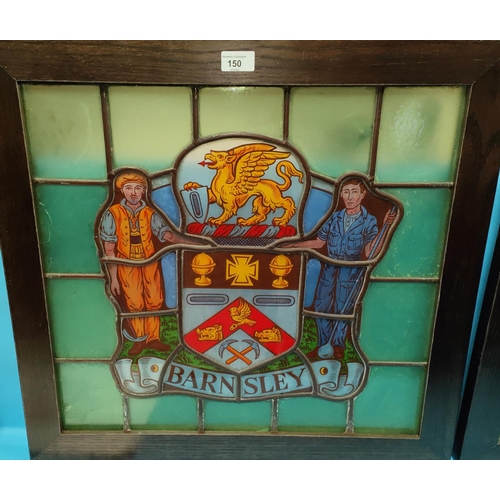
(239,275)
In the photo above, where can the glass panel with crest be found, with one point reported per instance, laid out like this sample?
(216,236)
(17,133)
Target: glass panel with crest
(242,259)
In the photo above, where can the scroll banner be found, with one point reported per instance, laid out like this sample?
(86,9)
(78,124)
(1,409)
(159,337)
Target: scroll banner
(295,380)
(331,383)
(299,380)
(144,381)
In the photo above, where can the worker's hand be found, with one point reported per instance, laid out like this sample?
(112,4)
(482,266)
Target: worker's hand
(115,287)
(389,218)
(168,236)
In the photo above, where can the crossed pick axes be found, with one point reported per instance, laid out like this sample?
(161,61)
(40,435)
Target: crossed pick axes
(252,345)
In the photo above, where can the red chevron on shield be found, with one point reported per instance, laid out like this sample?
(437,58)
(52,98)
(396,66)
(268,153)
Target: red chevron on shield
(239,337)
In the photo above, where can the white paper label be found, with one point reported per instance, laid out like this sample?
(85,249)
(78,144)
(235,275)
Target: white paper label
(232,60)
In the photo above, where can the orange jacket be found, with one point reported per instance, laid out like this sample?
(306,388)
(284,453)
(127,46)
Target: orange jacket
(123,230)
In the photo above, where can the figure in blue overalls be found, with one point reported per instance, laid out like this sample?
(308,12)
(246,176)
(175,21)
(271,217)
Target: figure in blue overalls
(350,235)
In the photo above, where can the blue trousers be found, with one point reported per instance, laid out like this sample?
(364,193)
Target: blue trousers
(337,293)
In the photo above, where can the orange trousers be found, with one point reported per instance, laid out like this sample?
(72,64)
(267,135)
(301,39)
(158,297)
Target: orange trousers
(141,288)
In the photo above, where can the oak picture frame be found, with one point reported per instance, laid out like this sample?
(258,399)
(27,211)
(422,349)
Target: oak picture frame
(475,65)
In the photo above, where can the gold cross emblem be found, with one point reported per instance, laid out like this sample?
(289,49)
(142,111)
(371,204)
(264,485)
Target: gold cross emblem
(242,270)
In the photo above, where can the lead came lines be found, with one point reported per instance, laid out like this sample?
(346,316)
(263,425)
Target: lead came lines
(195,101)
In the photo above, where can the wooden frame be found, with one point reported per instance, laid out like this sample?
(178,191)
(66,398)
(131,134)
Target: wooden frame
(473,64)
(478,432)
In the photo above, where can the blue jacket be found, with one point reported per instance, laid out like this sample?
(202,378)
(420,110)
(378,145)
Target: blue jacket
(348,245)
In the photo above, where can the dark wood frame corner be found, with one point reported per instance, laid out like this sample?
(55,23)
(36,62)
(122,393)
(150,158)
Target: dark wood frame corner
(472,64)
(478,431)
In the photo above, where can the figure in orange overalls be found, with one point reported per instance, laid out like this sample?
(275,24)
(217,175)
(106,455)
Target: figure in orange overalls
(127,230)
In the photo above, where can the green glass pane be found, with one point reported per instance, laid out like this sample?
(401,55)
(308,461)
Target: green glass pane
(150,125)
(82,319)
(66,217)
(88,397)
(65,131)
(255,416)
(311,415)
(397,321)
(419,134)
(391,402)
(417,247)
(333,127)
(241,109)
(164,413)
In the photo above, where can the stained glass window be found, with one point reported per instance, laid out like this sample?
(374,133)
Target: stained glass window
(242,259)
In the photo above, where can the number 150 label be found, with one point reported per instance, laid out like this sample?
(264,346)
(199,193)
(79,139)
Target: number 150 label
(237,60)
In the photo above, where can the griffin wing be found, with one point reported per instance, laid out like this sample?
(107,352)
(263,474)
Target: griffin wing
(252,165)
(247,148)
(244,309)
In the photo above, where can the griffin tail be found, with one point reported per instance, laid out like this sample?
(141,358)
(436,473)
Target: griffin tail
(289,172)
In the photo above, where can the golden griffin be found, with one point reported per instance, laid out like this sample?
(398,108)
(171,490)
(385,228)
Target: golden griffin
(239,178)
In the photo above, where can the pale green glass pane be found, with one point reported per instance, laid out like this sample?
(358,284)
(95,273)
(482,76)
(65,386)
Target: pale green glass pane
(420,134)
(221,416)
(149,125)
(82,319)
(398,320)
(65,131)
(312,415)
(391,402)
(241,109)
(66,216)
(333,127)
(417,247)
(164,413)
(88,397)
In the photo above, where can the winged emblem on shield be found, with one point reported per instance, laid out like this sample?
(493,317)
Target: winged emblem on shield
(235,318)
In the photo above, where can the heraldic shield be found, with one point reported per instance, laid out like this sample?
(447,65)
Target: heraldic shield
(239,275)
(252,313)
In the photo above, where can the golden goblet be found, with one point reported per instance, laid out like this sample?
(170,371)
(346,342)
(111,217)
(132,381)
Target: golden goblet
(280,266)
(203,264)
